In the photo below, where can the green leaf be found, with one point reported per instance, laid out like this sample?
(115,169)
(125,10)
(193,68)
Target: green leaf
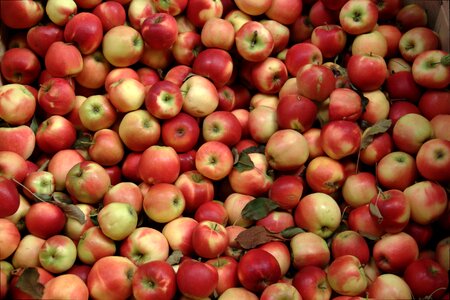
(28,282)
(84,141)
(256,236)
(244,163)
(258,208)
(445,60)
(175,257)
(34,124)
(255,149)
(290,232)
(375,211)
(72,211)
(379,127)
(94,216)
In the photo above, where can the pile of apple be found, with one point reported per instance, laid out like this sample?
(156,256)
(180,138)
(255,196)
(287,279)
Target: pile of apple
(219,149)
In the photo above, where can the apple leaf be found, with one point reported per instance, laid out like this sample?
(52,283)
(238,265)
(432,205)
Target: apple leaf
(71,211)
(34,124)
(175,257)
(256,236)
(258,208)
(244,163)
(28,282)
(84,141)
(445,60)
(375,211)
(290,232)
(379,127)
(255,149)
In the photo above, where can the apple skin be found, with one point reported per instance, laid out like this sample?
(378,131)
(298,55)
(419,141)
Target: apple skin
(211,211)
(439,124)
(97,112)
(360,220)
(21,15)
(125,191)
(359,62)
(411,131)
(258,269)
(127,94)
(111,277)
(144,245)
(200,97)
(340,138)
(163,202)
(164,99)
(110,13)
(234,204)
(155,162)
(122,46)
(345,104)
(56,96)
(416,41)
(254,42)
(309,249)
(315,82)
(346,276)
(200,11)
(17,293)
(319,14)
(358,189)
(205,276)
(289,116)
(93,245)
(58,254)
(286,150)
(311,282)
(330,39)
(66,285)
(155,279)
(349,242)
(401,86)
(389,285)
(428,70)
(139,130)
(10,238)
(433,160)
(325,175)
(117,220)
(394,208)
(61,163)
(20,65)
(214,160)
(287,191)
(159,30)
(17,104)
(45,220)
(238,293)
(281,253)
(222,126)
(396,170)
(85,30)
(178,233)
(400,108)
(389,253)
(434,102)
(54,134)
(9,195)
(62,59)
(381,145)
(280,289)
(88,182)
(209,239)
(318,213)
(301,54)
(428,201)
(215,64)
(27,253)
(284,11)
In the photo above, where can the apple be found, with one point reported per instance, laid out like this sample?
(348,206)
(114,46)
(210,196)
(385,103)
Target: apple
(439,124)
(252,7)
(284,11)
(10,238)
(279,290)
(144,245)
(311,282)
(346,276)
(389,285)
(381,145)
(254,42)
(396,170)
(318,213)
(226,267)
(214,160)
(111,277)
(209,239)
(301,29)
(394,210)
(65,285)
(262,123)
(320,14)
(164,99)
(117,220)
(38,184)
(287,190)
(416,41)
(430,69)
(138,11)
(357,17)
(401,108)
(154,279)
(17,104)
(215,64)
(432,159)
(288,115)
(269,75)
(200,97)
(27,253)
(238,293)
(392,34)
(10,198)
(110,13)
(41,36)
(317,76)
(389,253)
(63,59)
(345,104)
(56,96)
(74,229)
(371,42)
(122,46)
(159,30)
(324,174)
(196,189)
(196,279)
(433,103)
(359,189)
(441,250)
(156,58)
(234,204)
(88,182)
(138,130)
(127,192)
(309,249)
(350,242)
(127,94)
(61,163)
(178,233)
(58,254)
(106,141)
(97,112)
(340,138)
(186,47)
(258,269)
(280,34)
(331,39)
(222,126)
(277,221)
(411,131)
(84,29)
(21,15)
(427,200)
(164,202)
(286,149)
(54,134)
(93,244)
(159,164)
(211,211)
(377,108)
(20,65)
(359,62)
(360,219)
(44,219)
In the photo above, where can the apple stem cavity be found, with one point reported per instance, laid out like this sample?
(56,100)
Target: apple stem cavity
(254,39)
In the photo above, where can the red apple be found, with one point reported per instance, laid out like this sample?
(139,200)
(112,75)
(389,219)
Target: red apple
(363,80)
(180,132)
(17,104)
(159,164)
(346,276)
(154,279)
(324,174)
(164,99)
(21,14)
(426,277)
(45,220)
(254,42)
(200,11)
(20,65)
(159,30)
(311,282)
(349,242)
(139,130)
(110,13)
(357,17)
(196,279)
(309,249)
(396,170)
(330,39)
(163,202)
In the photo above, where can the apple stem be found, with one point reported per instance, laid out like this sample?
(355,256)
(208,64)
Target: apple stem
(254,37)
(27,189)
(430,296)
